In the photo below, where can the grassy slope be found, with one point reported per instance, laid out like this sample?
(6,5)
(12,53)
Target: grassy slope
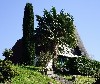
(30,75)
(81,79)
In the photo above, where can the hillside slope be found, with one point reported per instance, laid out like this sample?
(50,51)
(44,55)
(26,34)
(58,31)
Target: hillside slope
(30,75)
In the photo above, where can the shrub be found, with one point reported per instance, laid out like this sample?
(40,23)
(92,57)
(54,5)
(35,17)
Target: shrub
(82,66)
(6,72)
(7,53)
(87,66)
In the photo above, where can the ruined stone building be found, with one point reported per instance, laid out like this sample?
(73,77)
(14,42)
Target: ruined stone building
(17,49)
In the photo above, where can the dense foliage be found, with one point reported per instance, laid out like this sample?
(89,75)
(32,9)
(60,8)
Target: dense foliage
(6,72)
(80,66)
(54,29)
(44,59)
(7,53)
(28,32)
(88,67)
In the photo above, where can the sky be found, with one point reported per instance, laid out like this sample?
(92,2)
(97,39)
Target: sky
(86,15)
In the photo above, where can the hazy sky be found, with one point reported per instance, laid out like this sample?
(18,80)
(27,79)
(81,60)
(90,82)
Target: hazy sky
(86,14)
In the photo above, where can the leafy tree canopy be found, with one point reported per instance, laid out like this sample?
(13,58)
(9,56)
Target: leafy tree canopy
(54,28)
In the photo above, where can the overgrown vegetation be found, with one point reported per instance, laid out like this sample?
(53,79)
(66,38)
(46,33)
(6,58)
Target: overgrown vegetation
(82,66)
(6,71)
(30,75)
(53,29)
(88,67)
(44,59)
(7,53)
(16,74)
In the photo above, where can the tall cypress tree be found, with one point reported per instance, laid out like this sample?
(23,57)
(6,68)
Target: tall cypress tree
(28,33)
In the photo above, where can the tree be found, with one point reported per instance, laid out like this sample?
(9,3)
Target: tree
(28,32)
(54,29)
(7,53)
